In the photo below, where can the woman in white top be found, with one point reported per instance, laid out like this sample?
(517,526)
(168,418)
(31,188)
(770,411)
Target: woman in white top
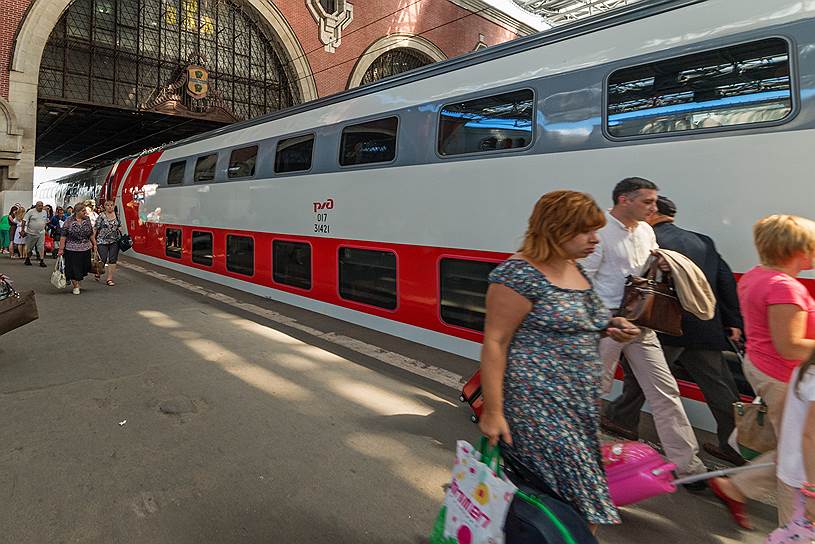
(19,233)
(796,448)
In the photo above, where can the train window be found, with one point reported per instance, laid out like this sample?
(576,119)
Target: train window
(493,123)
(737,85)
(369,142)
(294,154)
(202,248)
(291,263)
(242,162)
(175,176)
(172,243)
(240,254)
(368,276)
(464,291)
(205,168)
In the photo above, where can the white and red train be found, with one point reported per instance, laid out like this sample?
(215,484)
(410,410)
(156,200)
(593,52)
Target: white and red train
(388,205)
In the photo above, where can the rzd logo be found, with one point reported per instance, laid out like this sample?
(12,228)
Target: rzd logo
(327,205)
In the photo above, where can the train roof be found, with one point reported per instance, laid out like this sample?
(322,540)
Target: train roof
(588,25)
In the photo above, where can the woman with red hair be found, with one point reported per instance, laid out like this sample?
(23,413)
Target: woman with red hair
(540,364)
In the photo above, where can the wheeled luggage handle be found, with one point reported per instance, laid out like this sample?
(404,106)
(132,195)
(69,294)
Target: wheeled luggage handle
(718,473)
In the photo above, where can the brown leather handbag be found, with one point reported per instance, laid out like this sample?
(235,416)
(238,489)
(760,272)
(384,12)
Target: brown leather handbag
(16,309)
(652,304)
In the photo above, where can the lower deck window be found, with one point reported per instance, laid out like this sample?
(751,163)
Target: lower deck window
(368,276)
(240,254)
(202,248)
(291,263)
(464,291)
(172,246)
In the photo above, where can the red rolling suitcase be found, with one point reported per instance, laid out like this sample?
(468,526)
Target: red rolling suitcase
(471,394)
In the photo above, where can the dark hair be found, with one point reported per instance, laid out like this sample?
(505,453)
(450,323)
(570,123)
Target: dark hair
(630,185)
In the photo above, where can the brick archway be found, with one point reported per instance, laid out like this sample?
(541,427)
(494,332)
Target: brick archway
(388,43)
(29,43)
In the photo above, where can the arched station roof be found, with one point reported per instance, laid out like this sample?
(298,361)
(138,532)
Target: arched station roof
(562,11)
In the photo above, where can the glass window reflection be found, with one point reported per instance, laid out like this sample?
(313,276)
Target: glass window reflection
(738,85)
(491,123)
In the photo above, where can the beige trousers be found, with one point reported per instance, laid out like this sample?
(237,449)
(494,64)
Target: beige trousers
(647,361)
(760,484)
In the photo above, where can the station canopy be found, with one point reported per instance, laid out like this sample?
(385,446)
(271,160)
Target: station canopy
(119,76)
(557,12)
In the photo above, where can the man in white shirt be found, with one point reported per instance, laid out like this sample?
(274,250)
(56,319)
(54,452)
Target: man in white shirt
(626,243)
(34,222)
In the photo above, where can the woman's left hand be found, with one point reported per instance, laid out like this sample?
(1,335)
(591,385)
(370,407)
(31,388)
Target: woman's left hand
(809,508)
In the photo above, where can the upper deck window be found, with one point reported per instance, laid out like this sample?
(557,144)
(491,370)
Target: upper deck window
(738,85)
(492,123)
(175,176)
(205,168)
(294,154)
(369,142)
(242,162)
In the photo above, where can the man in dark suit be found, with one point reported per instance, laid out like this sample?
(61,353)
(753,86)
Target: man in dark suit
(701,345)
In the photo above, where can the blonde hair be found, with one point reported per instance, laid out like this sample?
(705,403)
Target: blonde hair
(558,217)
(778,238)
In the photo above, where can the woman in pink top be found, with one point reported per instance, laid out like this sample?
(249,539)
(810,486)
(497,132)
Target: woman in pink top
(779,323)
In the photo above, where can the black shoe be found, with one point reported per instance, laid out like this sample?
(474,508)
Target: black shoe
(42,264)
(730,455)
(28,262)
(696,487)
(618,430)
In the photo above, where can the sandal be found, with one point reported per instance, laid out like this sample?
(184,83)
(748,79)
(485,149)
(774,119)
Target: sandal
(110,283)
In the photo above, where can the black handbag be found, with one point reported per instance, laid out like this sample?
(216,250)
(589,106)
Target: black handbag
(125,242)
(16,309)
(538,515)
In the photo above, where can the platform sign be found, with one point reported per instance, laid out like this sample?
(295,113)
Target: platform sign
(197,81)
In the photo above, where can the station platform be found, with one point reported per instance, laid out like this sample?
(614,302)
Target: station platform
(168,409)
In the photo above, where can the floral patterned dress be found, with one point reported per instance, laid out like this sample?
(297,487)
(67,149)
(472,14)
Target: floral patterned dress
(552,385)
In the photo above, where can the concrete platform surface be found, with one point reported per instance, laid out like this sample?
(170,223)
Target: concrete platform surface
(151,413)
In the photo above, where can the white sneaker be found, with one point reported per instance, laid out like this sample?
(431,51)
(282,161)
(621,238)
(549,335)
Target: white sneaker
(75,291)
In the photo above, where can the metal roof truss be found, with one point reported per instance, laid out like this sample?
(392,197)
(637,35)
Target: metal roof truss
(562,11)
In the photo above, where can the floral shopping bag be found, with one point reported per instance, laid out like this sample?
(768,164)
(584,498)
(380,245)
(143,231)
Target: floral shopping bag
(478,500)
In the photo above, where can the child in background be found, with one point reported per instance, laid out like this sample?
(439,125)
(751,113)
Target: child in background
(796,457)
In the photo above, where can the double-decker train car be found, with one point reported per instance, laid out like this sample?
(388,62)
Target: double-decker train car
(388,205)
(77,187)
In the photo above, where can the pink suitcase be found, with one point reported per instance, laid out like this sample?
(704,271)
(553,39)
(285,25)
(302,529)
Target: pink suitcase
(636,472)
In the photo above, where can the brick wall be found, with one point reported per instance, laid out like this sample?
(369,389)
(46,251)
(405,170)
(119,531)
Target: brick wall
(11,14)
(453,29)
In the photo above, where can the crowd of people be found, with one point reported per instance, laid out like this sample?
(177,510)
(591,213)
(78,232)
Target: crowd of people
(80,235)
(553,338)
